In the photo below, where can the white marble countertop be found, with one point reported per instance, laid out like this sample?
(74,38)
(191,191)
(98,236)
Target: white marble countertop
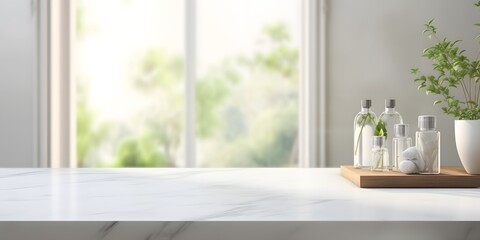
(219,195)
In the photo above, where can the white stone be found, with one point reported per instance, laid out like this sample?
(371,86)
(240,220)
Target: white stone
(408,167)
(420,164)
(413,155)
(410,153)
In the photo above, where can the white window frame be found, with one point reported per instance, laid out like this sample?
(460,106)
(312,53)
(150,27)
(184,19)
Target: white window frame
(41,86)
(57,142)
(190,76)
(312,84)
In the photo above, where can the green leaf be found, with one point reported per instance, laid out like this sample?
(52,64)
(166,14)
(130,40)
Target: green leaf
(437,102)
(380,129)
(455,42)
(431,89)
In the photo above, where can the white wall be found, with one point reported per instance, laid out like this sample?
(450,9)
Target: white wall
(371,47)
(17,80)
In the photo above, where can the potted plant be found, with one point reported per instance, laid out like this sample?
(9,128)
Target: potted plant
(455,75)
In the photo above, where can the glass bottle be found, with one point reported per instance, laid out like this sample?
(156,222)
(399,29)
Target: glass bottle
(363,125)
(380,159)
(390,117)
(428,144)
(400,143)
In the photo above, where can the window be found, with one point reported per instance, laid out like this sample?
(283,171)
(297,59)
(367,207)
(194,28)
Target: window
(170,83)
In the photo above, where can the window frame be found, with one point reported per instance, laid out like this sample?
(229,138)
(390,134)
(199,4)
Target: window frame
(190,76)
(41,86)
(57,142)
(312,122)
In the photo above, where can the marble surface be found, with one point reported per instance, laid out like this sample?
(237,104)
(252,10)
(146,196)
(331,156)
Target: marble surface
(240,230)
(199,195)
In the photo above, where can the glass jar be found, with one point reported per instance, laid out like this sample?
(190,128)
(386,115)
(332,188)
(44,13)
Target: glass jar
(380,160)
(401,142)
(428,144)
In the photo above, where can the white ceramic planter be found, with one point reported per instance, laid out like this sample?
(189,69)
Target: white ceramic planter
(467,139)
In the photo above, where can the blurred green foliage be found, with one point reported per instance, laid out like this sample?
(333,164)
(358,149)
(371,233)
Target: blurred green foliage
(282,58)
(260,117)
(160,76)
(141,151)
(89,134)
(247,111)
(211,92)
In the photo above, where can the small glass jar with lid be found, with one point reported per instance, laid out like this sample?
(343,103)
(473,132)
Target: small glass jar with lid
(380,160)
(401,142)
(428,144)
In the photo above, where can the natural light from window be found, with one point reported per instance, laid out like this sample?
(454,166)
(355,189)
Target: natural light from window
(129,68)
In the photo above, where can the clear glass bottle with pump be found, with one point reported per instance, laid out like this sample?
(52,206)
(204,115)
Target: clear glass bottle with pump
(380,158)
(400,143)
(390,117)
(428,144)
(364,126)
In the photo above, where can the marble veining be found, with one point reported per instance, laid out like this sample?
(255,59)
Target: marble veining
(146,194)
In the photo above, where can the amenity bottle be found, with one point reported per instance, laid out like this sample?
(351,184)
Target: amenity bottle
(428,144)
(363,125)
(390,117)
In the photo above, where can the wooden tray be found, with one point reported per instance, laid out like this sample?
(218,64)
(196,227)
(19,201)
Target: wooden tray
(449,177)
